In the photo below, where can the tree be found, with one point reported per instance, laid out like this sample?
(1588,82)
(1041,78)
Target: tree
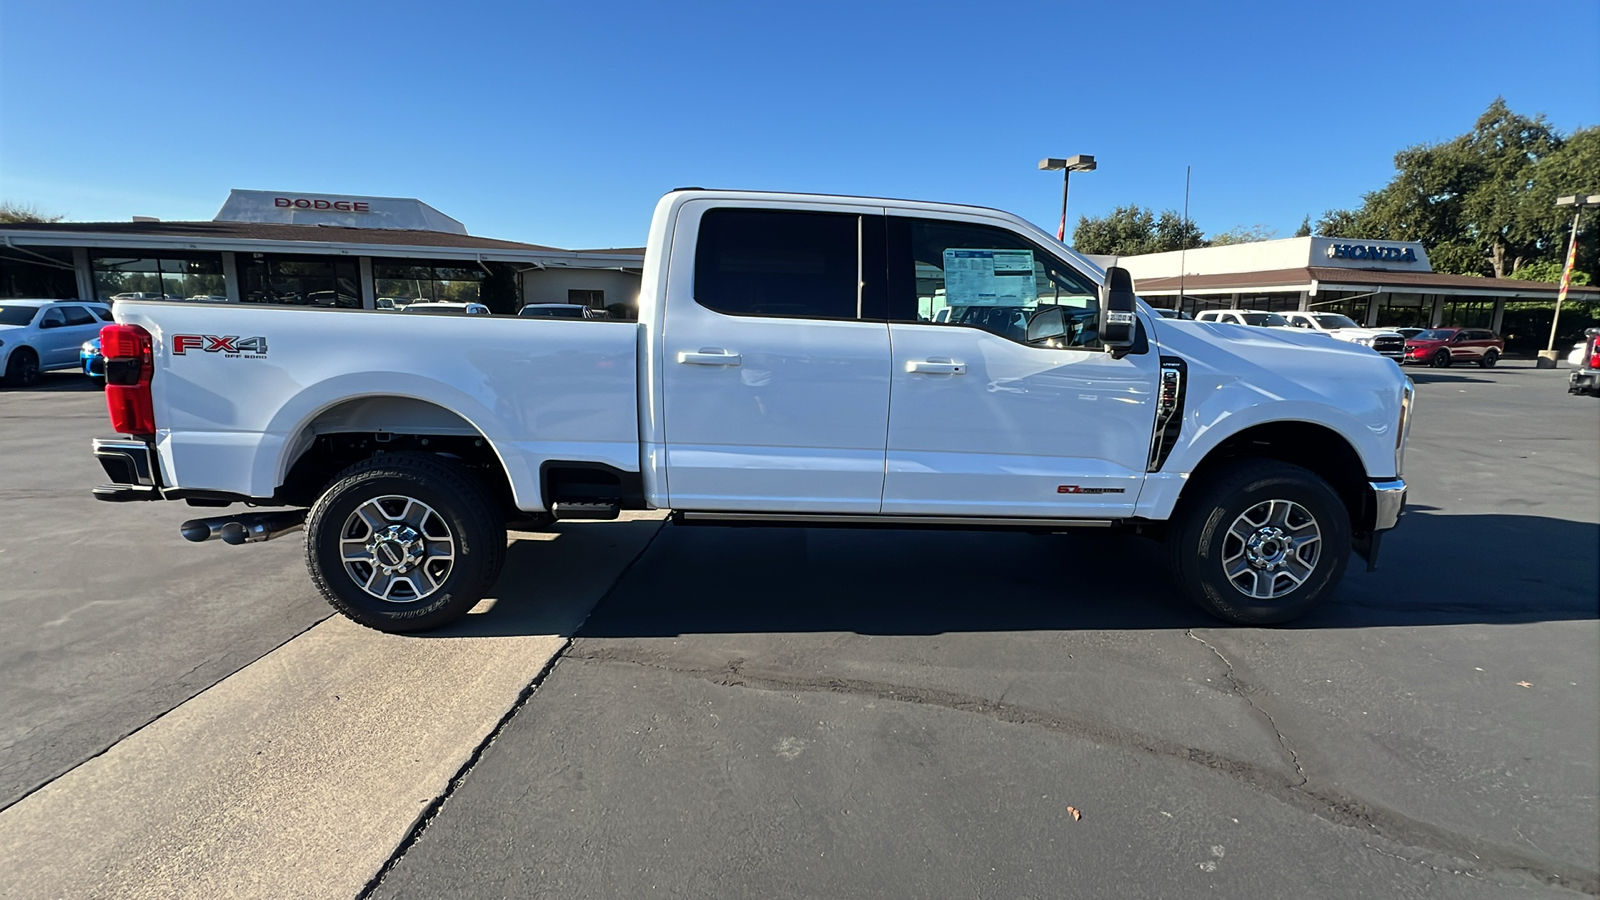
(1305,227)
(1127,231)
(1549,270)
(1241,234)
(12,212)
(1482,202)
(1131,230)
(1339,223)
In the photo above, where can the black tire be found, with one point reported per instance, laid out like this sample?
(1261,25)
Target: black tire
(1198,541)
(1441,360)
(1489,359)
(466,512)
(22,369)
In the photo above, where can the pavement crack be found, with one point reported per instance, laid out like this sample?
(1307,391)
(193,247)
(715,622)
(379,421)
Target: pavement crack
(1238,688)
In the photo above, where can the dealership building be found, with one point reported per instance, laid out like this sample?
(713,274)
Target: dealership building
(1380,283)
(310,250)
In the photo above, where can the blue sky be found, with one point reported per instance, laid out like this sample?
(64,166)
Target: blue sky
(562,123)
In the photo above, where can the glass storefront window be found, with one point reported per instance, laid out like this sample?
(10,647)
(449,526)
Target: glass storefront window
(300,280)
(131,276)
(40,273)
(400,283)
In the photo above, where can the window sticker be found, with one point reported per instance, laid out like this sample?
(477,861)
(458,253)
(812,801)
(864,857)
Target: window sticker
(989,277)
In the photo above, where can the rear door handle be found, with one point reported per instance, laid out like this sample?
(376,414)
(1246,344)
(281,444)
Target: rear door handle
(936,366)
(709,356)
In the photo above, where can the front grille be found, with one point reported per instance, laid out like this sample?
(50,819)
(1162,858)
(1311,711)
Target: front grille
(1389,345)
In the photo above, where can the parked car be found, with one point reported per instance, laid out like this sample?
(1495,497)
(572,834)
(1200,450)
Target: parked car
(1408,332)
(1586,380)
(755,391)
(41,335)
(93,361)
(1442,347)
(443,308)
(1244,317)
(1578,355)
(1343,328)
(555,311)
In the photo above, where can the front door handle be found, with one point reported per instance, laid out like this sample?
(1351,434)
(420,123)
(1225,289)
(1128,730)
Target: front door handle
(709,356)
(938,365)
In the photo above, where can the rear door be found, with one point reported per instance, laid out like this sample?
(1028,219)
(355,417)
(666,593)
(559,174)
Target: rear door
(775,358)
(81,326)
(54,342)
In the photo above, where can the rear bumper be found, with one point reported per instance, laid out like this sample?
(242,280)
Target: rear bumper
(1584,381)
(131,466)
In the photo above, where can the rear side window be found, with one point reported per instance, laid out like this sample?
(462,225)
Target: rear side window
(77,315)
(779,263)
(104,314)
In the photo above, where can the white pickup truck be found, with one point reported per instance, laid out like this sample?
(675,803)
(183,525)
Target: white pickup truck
(1382,341)
(788,368)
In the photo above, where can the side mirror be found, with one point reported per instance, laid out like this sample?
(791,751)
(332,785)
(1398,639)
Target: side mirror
(1118,324)
(1048,324)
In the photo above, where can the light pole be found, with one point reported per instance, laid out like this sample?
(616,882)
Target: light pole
(1547,359)
(1079,163)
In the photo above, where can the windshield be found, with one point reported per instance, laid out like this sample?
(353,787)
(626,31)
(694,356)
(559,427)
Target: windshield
(1270,320)
(17,315)
(1435,334)
(1334,321)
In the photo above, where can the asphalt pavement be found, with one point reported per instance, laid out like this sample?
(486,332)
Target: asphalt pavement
(811,712)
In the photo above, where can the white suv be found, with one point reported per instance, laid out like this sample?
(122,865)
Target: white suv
(1244,317)
(1386,343)
(39,335)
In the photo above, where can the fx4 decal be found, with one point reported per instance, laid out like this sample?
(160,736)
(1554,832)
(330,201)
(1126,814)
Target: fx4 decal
(231,346)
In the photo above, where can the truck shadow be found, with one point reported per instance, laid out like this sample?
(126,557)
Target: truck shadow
(1437,570)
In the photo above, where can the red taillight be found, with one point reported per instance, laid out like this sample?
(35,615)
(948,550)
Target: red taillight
(130,361)
(1594,358)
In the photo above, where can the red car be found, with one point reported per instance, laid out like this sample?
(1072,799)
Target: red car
(1440,347)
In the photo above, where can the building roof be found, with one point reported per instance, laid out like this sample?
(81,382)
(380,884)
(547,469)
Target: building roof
(267,231)
(1328,277)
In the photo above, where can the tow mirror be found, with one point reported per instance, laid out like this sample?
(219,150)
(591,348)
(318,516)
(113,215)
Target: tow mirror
(1118,324)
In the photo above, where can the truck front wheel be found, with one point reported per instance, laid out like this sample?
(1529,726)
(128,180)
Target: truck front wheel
(404,542)
(1261,543)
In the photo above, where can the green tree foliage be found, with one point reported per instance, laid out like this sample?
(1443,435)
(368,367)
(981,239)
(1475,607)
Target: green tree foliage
(1305,227)
(1131,230)
(1549,270)
(1482,203)
(16,213)
(1248,235)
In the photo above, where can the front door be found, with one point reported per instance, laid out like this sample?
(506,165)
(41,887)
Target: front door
(775,359)
(984,423)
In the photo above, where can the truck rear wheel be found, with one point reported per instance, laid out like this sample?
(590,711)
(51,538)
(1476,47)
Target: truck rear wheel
(405,542)
(1261,543)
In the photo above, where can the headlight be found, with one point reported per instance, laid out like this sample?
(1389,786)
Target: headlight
(1403,427)
(88,347)
(1365,342)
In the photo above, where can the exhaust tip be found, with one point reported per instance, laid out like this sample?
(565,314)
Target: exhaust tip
(234,533)
(196,530)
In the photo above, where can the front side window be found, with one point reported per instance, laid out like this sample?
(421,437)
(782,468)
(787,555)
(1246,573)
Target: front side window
(52,318)
(780,263)
(1265,320)
(980,276)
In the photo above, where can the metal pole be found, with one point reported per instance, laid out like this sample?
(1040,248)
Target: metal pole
(1566,276)
(1061,233)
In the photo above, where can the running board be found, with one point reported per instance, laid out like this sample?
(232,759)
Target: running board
(852,520)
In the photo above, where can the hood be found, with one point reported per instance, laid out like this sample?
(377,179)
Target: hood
(1370,332)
